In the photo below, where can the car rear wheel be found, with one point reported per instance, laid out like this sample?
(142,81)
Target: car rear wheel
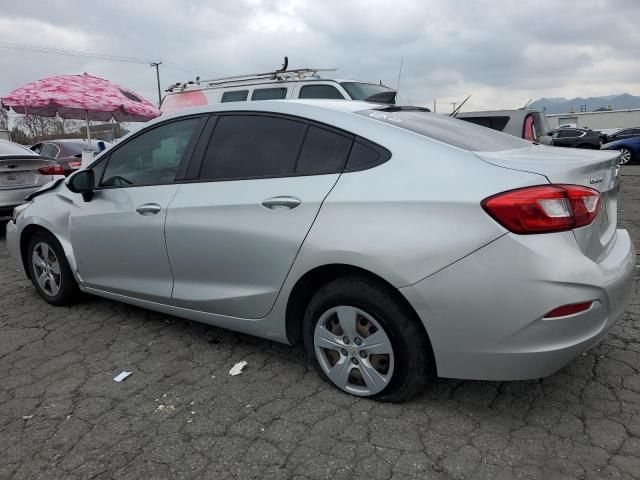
(361,339)
(50,271)
(626,156)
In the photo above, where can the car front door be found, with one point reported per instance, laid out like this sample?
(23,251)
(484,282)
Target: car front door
(118,236)
(234,232)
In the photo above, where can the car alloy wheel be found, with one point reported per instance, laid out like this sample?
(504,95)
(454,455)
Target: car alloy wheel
(625,156)
(46,268)
(353,350)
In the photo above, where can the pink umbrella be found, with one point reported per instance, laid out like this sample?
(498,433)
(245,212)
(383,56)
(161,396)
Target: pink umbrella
(82,97)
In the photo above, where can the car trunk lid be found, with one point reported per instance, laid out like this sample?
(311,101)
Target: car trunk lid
(595,169)
(21,171)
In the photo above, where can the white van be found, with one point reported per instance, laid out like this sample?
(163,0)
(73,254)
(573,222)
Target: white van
(531,125)
(280,84)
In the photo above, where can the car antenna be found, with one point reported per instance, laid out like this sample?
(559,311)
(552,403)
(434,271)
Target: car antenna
(527,104)
(399,75)
(457,110)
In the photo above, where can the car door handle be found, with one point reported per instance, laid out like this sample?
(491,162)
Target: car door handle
(279,203)
(148,209)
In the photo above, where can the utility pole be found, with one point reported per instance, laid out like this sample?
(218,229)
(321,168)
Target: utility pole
(157,65)
(453,104)
(434,105)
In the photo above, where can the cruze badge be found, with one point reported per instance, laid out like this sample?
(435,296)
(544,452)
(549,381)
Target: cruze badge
(596,180)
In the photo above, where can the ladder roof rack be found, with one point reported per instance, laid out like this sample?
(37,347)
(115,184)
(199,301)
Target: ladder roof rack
(281,74)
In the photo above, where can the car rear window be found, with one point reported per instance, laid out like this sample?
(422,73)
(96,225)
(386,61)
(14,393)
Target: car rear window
(495,123)
(451,131)
(10,148)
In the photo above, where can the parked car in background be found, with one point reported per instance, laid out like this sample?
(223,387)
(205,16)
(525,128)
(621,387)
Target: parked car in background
(278,85)
(383,238)
(22,172)
(68,152)
(576,138)
(622,134)
(629,149)
(531,125)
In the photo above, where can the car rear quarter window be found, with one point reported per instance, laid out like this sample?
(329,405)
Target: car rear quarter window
(365,154)
(235,96)
(323,151)
(443,128)
(320,91)
(252,146)
(269,94)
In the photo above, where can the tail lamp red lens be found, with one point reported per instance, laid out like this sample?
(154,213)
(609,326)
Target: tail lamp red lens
(544,208)
(569,309)
(51,170)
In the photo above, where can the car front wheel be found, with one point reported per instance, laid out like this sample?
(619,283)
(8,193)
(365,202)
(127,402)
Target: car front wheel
(50,271)
(366,342)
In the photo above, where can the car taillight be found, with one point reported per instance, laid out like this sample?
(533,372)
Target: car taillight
(51,170)
(544,209)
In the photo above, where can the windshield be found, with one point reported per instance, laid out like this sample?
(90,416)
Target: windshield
(443,128)
(361,91)
(10,148)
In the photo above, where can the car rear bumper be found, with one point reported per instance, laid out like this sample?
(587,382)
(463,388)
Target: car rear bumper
(484,314)
(14,197)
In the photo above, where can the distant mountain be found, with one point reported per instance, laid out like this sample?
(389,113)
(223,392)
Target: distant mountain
(562,105)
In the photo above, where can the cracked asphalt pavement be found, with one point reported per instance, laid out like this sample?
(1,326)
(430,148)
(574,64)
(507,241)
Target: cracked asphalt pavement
(180,414)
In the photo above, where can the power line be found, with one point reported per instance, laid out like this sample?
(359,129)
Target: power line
(100,56)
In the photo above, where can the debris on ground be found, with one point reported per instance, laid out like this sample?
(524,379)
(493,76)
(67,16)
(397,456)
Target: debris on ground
(162,407)
(27,417)
(237,368)
(121,376)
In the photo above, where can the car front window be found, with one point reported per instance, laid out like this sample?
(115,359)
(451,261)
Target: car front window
(152,157)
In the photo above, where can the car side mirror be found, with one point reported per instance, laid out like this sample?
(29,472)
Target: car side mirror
(82,182)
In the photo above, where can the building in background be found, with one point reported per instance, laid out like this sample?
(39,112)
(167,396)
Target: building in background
(597,120)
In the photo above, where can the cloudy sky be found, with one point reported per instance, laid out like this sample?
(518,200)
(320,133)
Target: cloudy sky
(502,52)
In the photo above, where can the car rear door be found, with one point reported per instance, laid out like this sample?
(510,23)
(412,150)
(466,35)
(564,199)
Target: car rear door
(118,236)
(234,231)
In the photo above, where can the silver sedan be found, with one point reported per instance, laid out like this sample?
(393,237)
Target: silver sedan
(393,243)
(22,172)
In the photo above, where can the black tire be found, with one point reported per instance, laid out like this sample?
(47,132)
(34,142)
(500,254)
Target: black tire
(68,293)
(588,146)
(413,357)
